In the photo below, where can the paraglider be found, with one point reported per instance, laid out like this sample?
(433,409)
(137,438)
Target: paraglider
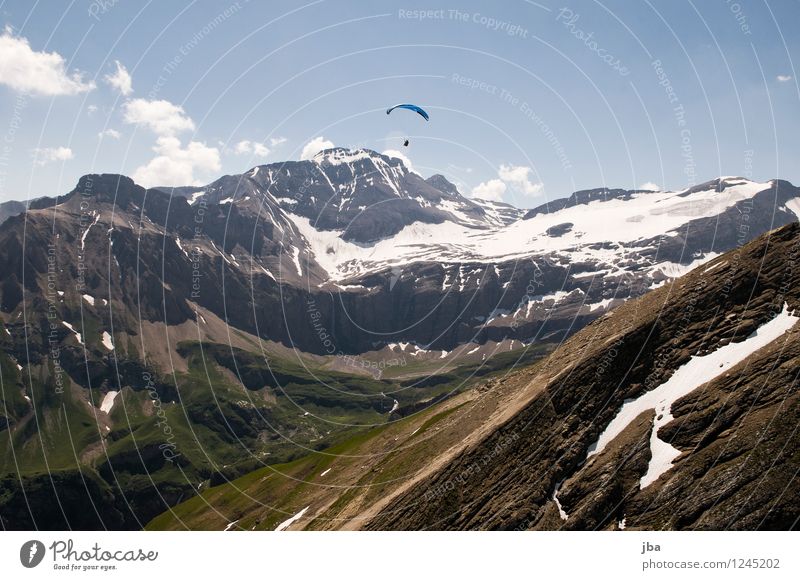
(419,110)
(414,108)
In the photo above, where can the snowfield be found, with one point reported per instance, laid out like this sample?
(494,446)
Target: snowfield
(698,371)
(644,216)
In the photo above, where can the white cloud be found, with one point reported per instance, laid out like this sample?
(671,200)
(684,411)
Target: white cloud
(49,154)
(275,141)
(650,186)
(314,146)
(515,176)
(518,177)
(91,110)
(120,80)
(175,165)
(161,117)
(491,190)
(401,156)
(251,148)
(113,133)
(784,78)
(43,73)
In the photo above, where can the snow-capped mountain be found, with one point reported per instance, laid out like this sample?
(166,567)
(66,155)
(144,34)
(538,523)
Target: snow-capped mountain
(389,257)
(359,225)
(360,213)
(361,195)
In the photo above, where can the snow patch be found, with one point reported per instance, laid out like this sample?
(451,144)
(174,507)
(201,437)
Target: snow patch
(715,266)
(793,205)
(89,227)
(180,247)
(89,299)
(221,253)
(598,305)
(591,274)
(351,287)
(285,524)
(296,259)
(674,270)
(340,156)
(698,371)
(564,516)
(77,334)
(108,401)
(107,341)
(196,195)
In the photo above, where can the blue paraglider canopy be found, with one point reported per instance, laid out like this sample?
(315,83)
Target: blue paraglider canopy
(414,108)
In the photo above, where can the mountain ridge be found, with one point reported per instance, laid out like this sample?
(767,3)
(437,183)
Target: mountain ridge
(521,280)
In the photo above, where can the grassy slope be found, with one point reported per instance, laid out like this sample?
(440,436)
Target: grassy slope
(363,468)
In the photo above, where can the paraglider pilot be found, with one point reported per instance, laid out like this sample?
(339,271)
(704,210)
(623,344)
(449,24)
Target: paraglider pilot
(421,112)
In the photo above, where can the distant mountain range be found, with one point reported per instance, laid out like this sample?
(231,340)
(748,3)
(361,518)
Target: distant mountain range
(155,341)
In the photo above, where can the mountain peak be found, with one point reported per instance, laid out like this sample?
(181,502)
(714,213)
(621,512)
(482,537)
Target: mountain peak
(343,155)
(719,184)
(444,185)
(109,187)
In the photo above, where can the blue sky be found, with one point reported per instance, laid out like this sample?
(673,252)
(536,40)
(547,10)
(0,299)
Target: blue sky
(528,100)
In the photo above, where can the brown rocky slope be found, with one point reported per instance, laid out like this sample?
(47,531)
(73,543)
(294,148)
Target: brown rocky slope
(738,433)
